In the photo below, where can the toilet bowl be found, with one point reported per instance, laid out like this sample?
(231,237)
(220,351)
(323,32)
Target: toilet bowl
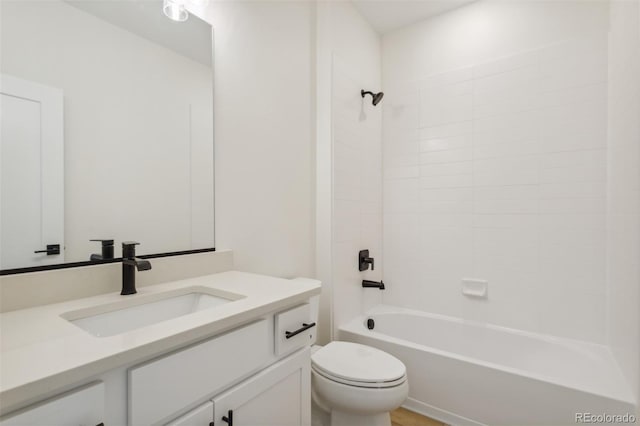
(356,385)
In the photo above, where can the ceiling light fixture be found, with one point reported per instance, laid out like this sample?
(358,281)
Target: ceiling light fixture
(175,10)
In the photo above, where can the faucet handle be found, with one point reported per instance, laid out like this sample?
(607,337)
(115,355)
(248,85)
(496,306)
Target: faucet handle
(107,250)
(364,260)
(129,249)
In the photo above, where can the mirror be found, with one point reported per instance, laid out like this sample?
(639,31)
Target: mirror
(106,132)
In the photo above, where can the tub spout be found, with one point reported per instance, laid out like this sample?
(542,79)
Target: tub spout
(373,284)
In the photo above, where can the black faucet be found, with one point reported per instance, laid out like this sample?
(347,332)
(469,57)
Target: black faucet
(129,265)
(107,250)
(373,284)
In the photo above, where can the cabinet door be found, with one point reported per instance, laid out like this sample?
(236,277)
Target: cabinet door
(201,416)
(277,396)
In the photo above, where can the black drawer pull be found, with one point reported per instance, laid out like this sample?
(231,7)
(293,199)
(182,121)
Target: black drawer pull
(51,249)
(290,334)
(228,418)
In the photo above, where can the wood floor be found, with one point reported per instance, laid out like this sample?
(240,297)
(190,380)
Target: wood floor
(404,417)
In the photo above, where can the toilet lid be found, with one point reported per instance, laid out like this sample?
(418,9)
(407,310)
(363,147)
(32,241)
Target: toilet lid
(355,363)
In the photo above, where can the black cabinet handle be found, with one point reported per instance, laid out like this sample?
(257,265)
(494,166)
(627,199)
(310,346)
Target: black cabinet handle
(100,424)
(228,418)
(51,249)
(290,334)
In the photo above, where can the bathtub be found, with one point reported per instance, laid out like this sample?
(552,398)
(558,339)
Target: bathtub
(467,373)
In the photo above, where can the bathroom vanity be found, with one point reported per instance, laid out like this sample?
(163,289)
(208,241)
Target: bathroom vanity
(226,349)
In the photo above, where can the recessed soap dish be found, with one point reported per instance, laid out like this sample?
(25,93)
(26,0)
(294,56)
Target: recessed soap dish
(475,288)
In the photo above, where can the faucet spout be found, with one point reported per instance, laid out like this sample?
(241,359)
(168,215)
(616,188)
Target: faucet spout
(373,284)
(139,264)
(142,265)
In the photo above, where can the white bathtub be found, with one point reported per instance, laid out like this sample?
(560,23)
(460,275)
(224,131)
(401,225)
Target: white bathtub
(463,372)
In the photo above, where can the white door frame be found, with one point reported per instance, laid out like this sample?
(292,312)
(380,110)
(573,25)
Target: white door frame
(51,101)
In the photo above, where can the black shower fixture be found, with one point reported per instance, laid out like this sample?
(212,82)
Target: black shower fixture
(377,97)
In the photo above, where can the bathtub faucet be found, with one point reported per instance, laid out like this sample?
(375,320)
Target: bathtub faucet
(373,284)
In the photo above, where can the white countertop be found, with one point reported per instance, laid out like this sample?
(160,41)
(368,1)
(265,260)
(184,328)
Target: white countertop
(40,351)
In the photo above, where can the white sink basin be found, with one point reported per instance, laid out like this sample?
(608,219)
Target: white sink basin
(146,310)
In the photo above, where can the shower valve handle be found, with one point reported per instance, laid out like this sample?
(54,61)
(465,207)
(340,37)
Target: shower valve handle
(364,261)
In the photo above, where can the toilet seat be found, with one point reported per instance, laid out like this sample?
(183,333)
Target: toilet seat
(358,365)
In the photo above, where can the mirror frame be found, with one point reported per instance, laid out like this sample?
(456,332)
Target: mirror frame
(98,262)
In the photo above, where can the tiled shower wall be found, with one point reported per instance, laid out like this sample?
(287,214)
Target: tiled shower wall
(497,171)
(357,190)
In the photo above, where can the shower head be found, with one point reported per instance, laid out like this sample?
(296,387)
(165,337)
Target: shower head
(377,97)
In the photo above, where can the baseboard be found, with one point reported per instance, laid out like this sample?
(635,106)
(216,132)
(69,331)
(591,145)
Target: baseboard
(438,414)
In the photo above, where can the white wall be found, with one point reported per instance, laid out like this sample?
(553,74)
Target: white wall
(623,207)
(129,165)
(263,134)
(349,157)
(495,164)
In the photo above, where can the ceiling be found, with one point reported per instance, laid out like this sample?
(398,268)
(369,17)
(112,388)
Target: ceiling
(191,38)
(388,15)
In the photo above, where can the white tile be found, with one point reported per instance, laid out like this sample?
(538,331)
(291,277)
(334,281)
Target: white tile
(446,104)
(573,205)
(573,71)
(587,173)
(572,190)
(399,160)
(402,172)
(569,95)
(515,148)
(446,143)
(505,165)
(507,63)
(507,221)
(506,206)
(518,79)
(456,207)
(458,168)
(595,159)
(446,194)
(447,78)
(572,221)
(514,192)
(446,156)
(447,130)
(445,220)
(446,181)
(506,177)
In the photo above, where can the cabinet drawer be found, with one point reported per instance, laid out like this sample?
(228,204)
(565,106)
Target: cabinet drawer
(84,407)
(201,416)
(294,329)
(164,386)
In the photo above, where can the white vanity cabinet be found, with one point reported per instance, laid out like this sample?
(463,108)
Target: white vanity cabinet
(255,374)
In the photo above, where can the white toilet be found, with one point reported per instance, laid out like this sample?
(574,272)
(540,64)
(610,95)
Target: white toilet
(356,385)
